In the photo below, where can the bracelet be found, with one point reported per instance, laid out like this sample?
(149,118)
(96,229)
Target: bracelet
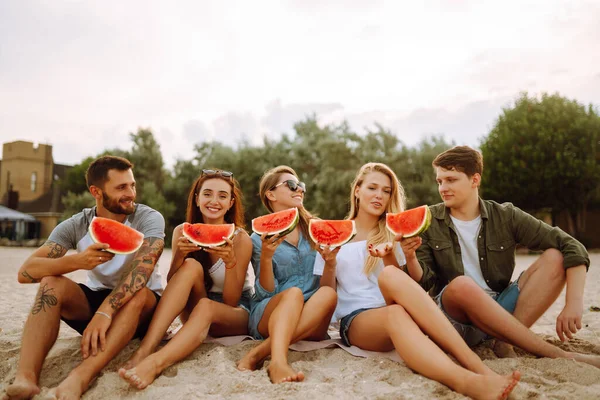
(103,313)
(234,264)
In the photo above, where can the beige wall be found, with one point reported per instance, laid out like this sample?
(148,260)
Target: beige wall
(47,223)
(20,159)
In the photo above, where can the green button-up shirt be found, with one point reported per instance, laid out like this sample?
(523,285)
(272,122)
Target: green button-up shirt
(503,227)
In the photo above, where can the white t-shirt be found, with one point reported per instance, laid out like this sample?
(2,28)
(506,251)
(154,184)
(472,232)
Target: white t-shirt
(355,289)
(467,232)
(73,234)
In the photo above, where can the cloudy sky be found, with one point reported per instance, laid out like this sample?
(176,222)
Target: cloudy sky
(80,75)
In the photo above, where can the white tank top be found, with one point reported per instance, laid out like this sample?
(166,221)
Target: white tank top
(217,273)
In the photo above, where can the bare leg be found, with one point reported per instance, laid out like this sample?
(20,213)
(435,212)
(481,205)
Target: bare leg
(390,327)
(313,324)
(185,289)
(540,285)
(56,296)
(121,331)
(465,301)
(228,320)
(279,322)
(398,288)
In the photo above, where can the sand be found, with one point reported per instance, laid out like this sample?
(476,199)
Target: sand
(209,372)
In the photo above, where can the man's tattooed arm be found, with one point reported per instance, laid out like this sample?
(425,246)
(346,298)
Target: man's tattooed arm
(137,274)
(44,262)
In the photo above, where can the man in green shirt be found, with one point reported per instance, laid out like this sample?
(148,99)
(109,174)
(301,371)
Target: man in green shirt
(467,256)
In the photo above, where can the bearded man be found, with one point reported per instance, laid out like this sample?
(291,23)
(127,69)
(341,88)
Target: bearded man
(120,293)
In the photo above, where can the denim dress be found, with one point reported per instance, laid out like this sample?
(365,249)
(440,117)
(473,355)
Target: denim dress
(292,266)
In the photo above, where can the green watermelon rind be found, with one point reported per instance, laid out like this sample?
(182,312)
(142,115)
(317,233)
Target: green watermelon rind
(285,231)
(335,245)
(424,225)
(207,245)
(97,220)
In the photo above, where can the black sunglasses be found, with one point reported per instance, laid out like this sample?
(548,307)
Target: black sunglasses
(211,172)
(293,185)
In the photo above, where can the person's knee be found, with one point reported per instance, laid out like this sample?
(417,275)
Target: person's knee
(462,289)
(553,264)
(203,307)
(390,274)
(329,296)
(191,268)
(293,293)
(396,313)
(140,300)
(55,284)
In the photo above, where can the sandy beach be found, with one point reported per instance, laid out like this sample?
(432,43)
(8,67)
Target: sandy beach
(210,373)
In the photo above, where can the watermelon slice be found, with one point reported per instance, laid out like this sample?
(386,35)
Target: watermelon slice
(409,223)
(280,223)
(330,232)
(121,238)
(208,235)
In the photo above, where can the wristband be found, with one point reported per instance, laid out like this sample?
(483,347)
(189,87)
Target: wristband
(234,264)
(104,314)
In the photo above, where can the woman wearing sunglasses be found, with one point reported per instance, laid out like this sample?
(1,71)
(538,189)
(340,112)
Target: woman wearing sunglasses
(288,304)
(209,289)
(382,308)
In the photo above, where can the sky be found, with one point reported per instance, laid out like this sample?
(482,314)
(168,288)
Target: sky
(81,75)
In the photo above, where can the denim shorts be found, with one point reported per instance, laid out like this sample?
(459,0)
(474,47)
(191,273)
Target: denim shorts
(345,324)
(470,333)
(243,303)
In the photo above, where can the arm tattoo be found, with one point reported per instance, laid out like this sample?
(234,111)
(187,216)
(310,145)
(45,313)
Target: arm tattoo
(44,298)
(138,273)
(31,278)
(56,250)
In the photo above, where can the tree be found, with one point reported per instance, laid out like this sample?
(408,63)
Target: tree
(544,153)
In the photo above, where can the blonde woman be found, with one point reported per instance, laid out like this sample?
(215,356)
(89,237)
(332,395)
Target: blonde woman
(288,304)
(382,308)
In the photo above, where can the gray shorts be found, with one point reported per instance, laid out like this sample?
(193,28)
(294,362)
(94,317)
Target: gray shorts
(471,334)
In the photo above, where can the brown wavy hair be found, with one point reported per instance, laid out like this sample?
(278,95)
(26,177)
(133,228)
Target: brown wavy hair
(379,234)
(235,215)
(270,179)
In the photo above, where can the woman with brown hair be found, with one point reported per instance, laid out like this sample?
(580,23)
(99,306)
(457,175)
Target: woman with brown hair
(381,308)
(210,289)
(288,304)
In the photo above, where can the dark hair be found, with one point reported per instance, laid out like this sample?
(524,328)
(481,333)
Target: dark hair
(270,179)
(97,172)
(235,215)
(462,159)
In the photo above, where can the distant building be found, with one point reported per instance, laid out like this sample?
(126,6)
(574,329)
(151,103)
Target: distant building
(29,183)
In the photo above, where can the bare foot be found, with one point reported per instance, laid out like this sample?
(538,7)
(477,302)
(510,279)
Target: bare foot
(21,389)
(136,358)
(504,350)
(486,387)
(249,362)
(591,359)
(280,373)
(72,388)
(143,374)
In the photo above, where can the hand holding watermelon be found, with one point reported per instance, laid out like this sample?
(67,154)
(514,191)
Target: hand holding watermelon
(225,253)
(269,244)
(185,247)
(329,254)
(409,245)
(93,256)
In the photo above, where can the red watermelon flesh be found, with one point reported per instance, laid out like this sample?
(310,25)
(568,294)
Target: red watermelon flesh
(331,232)
(208,235)
(409,223)
(121,238)
(279,223)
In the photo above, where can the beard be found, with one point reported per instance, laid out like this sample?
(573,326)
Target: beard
(115,207)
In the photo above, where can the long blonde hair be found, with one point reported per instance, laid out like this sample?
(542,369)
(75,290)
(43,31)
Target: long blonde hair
(397,201)
(270,179)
